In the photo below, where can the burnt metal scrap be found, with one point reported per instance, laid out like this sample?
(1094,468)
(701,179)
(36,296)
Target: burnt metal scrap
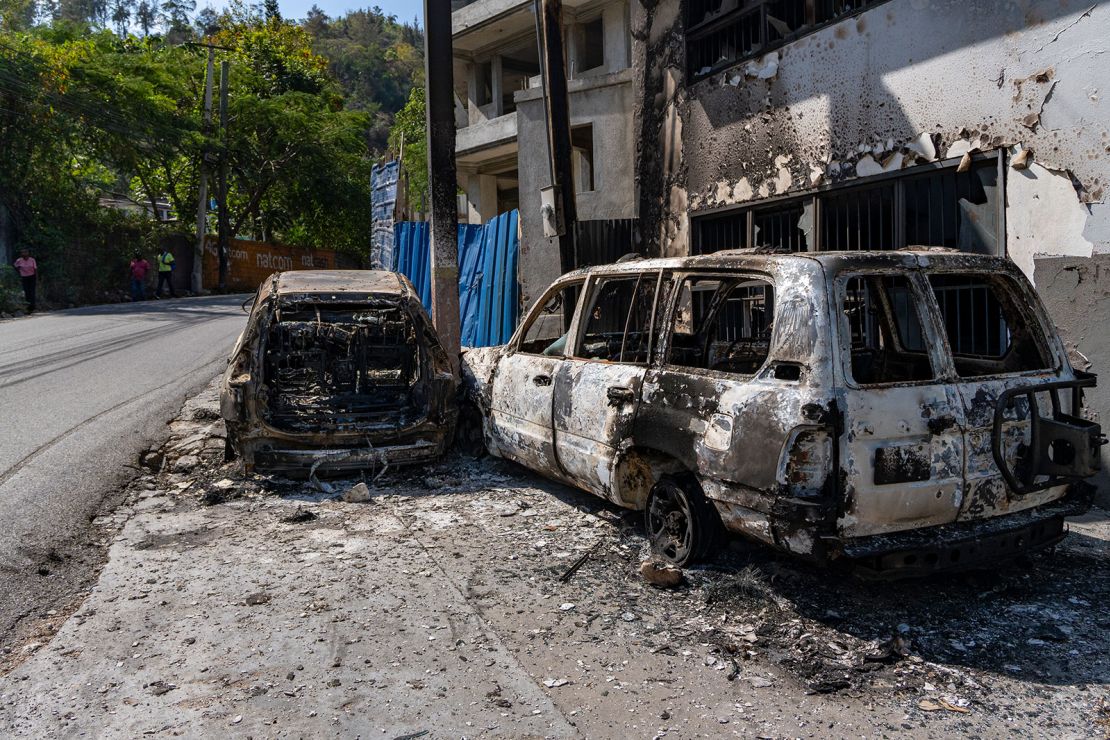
(335,371)
(880,407)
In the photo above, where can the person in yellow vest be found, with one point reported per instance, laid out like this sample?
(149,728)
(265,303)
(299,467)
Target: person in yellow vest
(166,265)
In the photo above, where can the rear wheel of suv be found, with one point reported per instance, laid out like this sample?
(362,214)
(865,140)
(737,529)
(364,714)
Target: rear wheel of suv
(681,524)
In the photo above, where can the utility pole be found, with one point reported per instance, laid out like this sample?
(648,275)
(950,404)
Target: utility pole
(549,36)
(442,183)
(224,228)
(202,200)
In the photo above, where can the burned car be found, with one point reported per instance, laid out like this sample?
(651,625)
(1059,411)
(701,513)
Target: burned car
(337,370)
(910,410)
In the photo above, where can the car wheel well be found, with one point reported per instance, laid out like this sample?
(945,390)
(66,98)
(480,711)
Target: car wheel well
(637,471)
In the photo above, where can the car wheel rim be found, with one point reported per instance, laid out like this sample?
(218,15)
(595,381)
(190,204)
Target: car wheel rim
(669,523)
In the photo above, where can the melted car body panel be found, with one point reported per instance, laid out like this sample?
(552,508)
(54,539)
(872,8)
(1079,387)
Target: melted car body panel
(337,371)
(827,404)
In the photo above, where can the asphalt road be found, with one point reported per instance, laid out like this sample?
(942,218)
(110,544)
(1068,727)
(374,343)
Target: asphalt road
(82,393)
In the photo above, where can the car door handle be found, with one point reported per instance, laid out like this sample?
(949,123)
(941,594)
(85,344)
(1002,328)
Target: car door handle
(541,380)
(619,394)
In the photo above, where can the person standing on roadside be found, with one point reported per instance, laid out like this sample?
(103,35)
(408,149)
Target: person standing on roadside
(139,268)
(166,264)
(28,270)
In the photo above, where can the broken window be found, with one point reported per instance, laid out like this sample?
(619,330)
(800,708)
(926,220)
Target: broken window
(988,332)
(618,325)
(882,318)
(545,330)
(925,206)
(722,324)
(717,233)
(721,33)
(958,210)
(780,227)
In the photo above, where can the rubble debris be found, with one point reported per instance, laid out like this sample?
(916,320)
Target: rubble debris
(299,516)
(578,563)
(158,688)
(660,575)
(936,705)
(257,599)
(357,494)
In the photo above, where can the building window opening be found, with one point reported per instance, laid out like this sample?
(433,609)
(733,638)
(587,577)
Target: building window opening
(591,47)
(722,33)
(723,325)
(483,84)
(582,158)
(931,207)
(518,66)
(859,220)
(781,227)
(954,210)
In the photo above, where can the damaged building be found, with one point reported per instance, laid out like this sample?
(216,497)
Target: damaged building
(822,125)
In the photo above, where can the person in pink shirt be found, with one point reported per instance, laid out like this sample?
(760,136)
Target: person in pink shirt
(28,271)
(139,268)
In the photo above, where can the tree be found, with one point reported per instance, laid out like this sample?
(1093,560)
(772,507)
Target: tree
(409,128)
(146,15)
(175,15)
(270,11)
(121,16)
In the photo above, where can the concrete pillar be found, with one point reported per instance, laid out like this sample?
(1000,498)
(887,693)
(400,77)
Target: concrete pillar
(618,40)
(481,198)
(495,86)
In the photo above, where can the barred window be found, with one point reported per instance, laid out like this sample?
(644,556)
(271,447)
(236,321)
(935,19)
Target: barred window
(721,33)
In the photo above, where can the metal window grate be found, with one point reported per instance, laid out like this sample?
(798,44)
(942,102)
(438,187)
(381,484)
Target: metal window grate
(718,37)
(859,220)
(937,207)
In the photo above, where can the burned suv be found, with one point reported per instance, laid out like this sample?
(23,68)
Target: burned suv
(335,371)
(908,410)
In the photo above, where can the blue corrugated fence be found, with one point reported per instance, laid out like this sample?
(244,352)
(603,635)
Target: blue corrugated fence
(489,296)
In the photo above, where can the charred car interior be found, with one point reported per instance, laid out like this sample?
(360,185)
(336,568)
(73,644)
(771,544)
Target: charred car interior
(906,411)
(337,370)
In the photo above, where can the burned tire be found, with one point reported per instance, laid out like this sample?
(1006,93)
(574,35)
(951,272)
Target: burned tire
(469,436)
(682,526)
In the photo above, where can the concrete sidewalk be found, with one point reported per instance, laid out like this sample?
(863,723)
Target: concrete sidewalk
(448,606)
(227,619)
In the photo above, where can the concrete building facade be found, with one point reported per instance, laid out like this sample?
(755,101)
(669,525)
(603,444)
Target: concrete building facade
(852,124)
(813,125)
(502,136)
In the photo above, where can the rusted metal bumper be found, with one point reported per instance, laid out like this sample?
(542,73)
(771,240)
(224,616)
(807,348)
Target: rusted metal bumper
(965,544)
(298,463)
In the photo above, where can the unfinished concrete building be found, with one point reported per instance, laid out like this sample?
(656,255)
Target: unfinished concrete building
(502,137)
(879,124)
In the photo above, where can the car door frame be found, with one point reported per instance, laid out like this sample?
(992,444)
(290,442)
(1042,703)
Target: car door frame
(596,401)
(520,417)
(903,417)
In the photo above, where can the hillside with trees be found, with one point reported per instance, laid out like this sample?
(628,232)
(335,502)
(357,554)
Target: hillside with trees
(101,101)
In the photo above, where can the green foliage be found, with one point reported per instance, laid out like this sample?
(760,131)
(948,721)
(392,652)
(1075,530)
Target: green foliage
(409,129)
(88,115)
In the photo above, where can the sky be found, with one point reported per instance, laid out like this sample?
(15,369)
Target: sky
(405,10)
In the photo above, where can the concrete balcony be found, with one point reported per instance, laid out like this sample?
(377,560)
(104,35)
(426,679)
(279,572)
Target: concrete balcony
(490,136)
